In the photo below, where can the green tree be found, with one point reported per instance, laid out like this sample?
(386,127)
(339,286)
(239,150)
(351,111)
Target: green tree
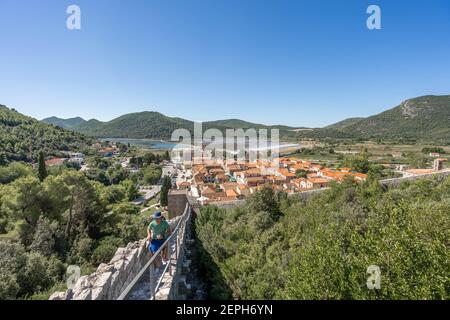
(416,160)
(301,173)
(165,188)
(131,190)
(265,201)
(116,174)
(84,209)
(151,174)
(42,170)
(12,262)
(22,199)
(44,237)
(167,155)
(113,194)
(98,175)
(13,171)
(105,250)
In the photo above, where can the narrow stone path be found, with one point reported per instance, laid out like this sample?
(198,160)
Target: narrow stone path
(194,278)
(142,290)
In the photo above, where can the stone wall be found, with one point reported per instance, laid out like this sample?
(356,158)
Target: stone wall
(177,200)
(237,203)
(395,182)
(110,279)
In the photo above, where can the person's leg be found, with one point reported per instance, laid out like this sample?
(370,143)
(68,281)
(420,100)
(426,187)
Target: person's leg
(149,248)
(156,244)
(164,253)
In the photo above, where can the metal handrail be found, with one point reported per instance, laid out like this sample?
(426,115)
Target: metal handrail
(149,265)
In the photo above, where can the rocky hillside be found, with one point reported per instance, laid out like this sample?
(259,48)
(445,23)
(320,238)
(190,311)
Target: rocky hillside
(424,117)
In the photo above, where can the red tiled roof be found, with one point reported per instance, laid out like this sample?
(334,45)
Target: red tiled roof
(54,161)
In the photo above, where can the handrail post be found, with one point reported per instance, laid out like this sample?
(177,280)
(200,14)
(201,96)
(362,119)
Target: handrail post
(152,288)
(176,245)
(170,256)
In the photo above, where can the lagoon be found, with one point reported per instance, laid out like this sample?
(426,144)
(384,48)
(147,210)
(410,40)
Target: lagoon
(144,143)
(167,145)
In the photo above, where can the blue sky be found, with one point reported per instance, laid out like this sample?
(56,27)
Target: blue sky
(300,63)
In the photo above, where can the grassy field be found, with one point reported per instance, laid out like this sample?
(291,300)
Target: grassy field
(382,149)
(379,153)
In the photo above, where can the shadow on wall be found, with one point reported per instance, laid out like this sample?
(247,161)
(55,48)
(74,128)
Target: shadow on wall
(216,286)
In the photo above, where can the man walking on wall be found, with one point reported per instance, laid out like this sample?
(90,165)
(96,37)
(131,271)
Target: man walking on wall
(157,233)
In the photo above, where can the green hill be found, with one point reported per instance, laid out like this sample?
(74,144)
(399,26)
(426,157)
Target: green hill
(22,137)
(154,125)
(64,123)
(426,117)
(149,125)
(234,124)
(344,123)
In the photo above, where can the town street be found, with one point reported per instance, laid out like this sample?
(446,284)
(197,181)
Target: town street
(149,195)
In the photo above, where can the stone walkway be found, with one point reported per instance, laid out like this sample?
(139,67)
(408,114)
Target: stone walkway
(142,290)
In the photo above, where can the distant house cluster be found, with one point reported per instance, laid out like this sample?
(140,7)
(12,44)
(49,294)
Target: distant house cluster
(72,157)
(234,180)
(108,152)
(438,165)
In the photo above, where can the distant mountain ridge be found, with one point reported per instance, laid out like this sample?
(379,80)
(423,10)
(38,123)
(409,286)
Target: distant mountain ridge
(64,123)
(426,117)
(151,125)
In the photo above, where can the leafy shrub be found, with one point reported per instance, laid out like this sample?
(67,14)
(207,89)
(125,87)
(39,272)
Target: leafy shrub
(105,250)
(83,249)
(44,237)
(320,248)
(12,262)
(24,273)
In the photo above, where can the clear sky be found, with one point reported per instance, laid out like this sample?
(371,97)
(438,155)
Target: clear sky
(300,63)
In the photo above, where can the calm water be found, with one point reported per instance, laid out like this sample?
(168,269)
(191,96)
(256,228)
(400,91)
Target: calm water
(144,143)
(166,145)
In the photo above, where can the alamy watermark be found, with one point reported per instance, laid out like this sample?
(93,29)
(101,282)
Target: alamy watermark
(73,22)
(73,273)
(374,279)
(374,20)
(239,145)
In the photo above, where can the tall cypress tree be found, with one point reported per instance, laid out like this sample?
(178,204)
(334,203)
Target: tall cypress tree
(42,170)
(165,191)
(167,155)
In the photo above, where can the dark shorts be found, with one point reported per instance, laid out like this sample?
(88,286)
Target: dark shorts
(155,245)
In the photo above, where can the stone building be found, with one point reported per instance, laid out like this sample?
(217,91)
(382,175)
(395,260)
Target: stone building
(177,200)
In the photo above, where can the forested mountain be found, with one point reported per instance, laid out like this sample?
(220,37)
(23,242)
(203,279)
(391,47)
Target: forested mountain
(344,123)
(424,118)
(151,125)
(237,124)
(22,137)
(154,125)
(64,123)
